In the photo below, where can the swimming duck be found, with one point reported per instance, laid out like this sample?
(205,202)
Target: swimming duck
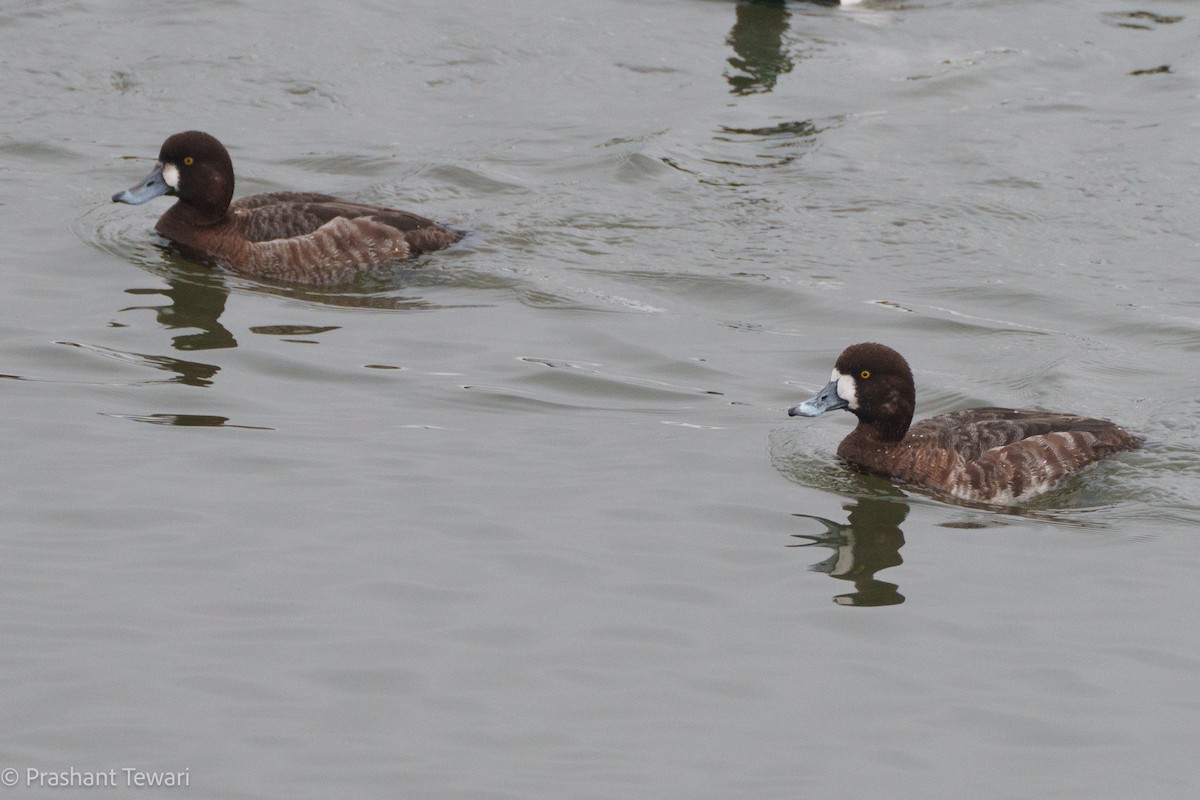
(302,237)
(987,455)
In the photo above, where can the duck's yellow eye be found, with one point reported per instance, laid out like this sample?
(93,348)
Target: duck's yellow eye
(188,161)
(866,373)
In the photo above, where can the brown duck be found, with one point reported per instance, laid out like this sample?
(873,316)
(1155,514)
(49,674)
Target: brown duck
(987,455)
(302,237)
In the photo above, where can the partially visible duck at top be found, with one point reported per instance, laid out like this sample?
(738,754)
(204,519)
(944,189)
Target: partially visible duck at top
(986,455)
(301,237)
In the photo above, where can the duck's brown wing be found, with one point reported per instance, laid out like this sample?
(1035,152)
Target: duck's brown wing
(281,215)
(333,253)
(991,455)
(1006,454)
(974,431)
(422,234)
(1038,463)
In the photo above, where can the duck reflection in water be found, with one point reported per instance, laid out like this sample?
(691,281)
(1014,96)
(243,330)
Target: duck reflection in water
(197,306)
(197,297)
(757,39)
(869,541)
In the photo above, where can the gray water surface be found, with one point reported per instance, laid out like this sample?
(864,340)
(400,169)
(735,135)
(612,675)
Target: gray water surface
(529,520)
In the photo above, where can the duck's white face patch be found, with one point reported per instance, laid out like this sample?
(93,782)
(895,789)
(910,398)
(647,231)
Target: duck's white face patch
(846,389)
(170,175)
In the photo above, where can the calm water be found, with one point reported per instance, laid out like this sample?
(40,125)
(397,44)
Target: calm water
(529,521)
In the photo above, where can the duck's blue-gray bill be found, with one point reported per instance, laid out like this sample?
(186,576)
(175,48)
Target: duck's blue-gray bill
(148,189)
(825,400)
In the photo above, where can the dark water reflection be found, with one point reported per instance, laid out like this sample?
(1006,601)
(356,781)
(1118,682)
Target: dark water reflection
(1138,20)
(193,305)
(188,421)
(198,296)
(190,373)
(758,41)
(869,541)
(199,291)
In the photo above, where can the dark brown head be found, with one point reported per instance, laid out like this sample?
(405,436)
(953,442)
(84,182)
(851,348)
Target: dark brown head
(873,382)
(196,168)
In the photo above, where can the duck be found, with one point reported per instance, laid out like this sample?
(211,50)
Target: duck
(994,456)
(298,237)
